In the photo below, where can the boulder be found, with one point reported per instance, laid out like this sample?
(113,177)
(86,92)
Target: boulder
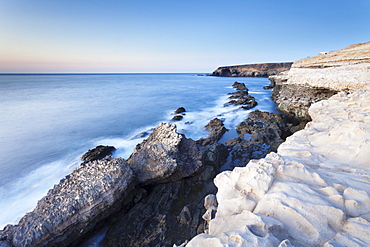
(165,156)
(97,153)
(217,130)
(180,110)
(177,118)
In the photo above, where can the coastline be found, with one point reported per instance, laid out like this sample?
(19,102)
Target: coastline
(210,167)
(314,191)
(296,180)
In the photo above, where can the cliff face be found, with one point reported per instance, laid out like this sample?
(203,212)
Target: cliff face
(316,78)
(314,191)
(253,70)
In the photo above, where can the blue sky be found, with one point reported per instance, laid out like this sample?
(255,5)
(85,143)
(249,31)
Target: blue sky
(172,36)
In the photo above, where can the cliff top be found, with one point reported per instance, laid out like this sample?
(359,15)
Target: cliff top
(353,54)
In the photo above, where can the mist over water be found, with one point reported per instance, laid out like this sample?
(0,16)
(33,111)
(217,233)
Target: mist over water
(48,121)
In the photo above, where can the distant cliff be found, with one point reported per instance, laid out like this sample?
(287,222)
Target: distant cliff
(253,70)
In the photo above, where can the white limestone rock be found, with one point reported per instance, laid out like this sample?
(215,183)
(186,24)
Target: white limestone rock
(315,191)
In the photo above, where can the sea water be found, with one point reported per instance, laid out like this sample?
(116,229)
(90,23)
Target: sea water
(47,121)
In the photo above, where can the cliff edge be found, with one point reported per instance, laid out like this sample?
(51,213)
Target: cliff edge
(314,191)
(252,70)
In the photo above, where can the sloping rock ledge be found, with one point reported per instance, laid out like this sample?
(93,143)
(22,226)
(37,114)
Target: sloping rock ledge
(313,192)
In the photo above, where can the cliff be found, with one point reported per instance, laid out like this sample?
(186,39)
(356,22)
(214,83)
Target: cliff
(314,191)
(316,78)
(252,70)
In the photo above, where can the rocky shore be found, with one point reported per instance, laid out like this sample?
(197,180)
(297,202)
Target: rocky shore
(155,197)
(314,191)
(252,70)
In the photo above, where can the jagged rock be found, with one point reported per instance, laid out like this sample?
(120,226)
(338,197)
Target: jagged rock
(165,156)
(74,206)
(170,214)
(241,97)
(180,110)
(177,118)
(217,130)
(240,86)
(98,152)
(295,100)
(259,134)
(215,155)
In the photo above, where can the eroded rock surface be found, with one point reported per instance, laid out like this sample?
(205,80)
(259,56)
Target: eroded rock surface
(317,78)
(98,152)
(315,190)
(165,156)
(259,134)
(75,205)
(241,97)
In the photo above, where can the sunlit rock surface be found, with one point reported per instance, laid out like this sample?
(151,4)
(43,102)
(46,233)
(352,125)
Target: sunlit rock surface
(316,78)
(313,192)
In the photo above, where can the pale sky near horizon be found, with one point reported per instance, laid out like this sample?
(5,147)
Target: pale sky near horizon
(172,36)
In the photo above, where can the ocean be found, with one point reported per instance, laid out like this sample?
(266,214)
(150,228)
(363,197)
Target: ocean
(47,121)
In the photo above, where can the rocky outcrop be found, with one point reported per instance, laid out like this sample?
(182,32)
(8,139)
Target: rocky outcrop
(317,78)
(99,191)
(165,156)
(253,70)
(241,97)
(314,191)
(74,206)
(258,135)
(217,130)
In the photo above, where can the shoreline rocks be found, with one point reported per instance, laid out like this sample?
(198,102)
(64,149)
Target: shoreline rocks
(318,78)
(241,97)
(97,153)
(314,191)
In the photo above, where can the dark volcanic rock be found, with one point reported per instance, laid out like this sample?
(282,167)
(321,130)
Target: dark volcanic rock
(74,206)
(294,100)
(97,153)
(170,214)
(217,130)
(165,156)
(240,86)
(177,118)
(180,110)
(259,134)
(241,97)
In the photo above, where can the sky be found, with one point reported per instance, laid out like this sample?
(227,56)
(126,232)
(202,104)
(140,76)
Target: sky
(123,36)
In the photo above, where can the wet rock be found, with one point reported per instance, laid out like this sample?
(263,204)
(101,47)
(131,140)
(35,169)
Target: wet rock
(97,153)
(241,97)
(165,156)
(240,86)
(180,110)
(217,130)
(177,118)
(259,134)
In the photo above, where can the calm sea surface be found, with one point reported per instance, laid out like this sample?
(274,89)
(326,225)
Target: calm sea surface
(48,121)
